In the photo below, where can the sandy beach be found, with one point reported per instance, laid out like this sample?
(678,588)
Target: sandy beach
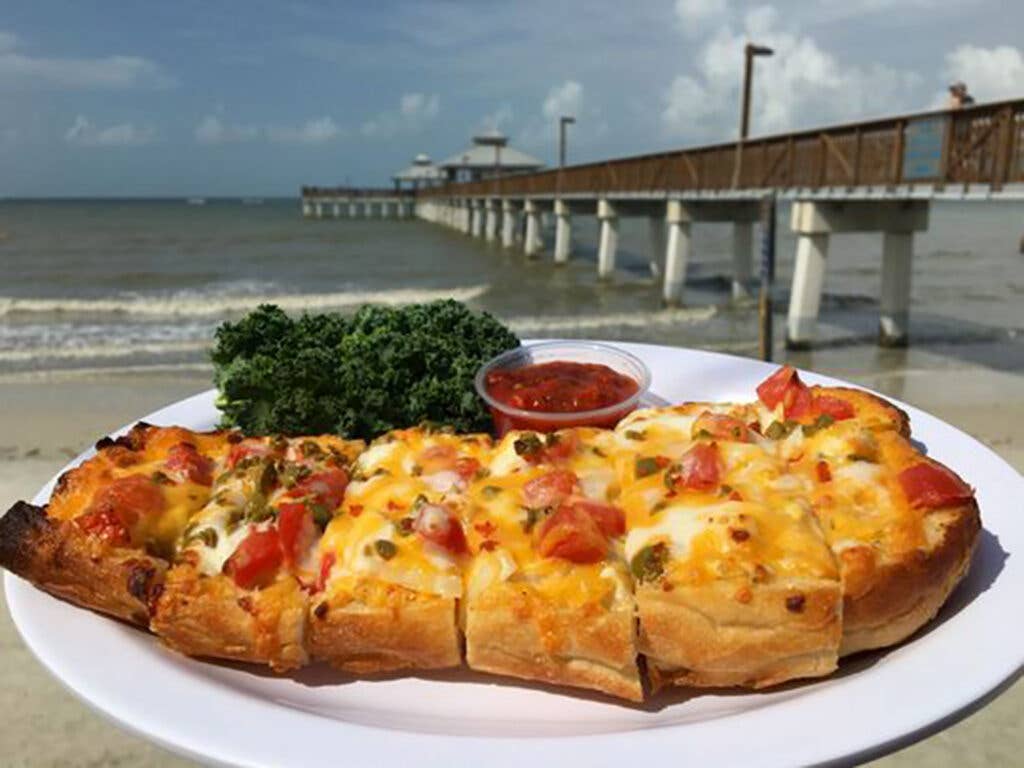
(49,418)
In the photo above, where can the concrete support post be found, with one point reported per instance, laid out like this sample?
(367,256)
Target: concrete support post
(656,235)
(677,252)
(319,209)
(402,210)
(467,217)
(742,258)
(307,208)
(533,240)
(353,211)
(490,220)
(477,224)
(609,239)
(509,223)
(897,251)
(385,209)
(336,209)
(563,232)
(805,297)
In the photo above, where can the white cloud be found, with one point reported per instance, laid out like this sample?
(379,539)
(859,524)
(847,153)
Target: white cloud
(415,110)
(564,99)
(419,106)
(800,86)
(989,73)
(83,133)
(18,69)
(694,14)
(214,130)
(493,121)
(317,131)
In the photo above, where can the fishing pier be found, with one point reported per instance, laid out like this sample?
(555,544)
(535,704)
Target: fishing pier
(875,176)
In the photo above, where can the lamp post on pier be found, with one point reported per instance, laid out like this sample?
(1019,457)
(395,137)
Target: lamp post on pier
(749,52)
(563,121)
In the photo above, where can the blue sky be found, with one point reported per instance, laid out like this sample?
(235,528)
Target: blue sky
(256,98)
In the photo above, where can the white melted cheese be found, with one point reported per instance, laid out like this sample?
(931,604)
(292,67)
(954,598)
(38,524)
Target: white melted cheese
(678,525)
(376,456)
(360,557)
(618,579)
(442,481)
(861,472)
(595,482)
(505,460)
(488,569)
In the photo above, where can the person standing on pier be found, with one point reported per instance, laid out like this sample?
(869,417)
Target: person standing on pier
(958,96)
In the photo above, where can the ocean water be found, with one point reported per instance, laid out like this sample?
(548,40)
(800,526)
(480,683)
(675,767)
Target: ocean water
(144,283)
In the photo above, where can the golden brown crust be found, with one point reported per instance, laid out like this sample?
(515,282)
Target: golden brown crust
(211,616)
(704,636)
(873,410)
(409,631)
(892,600)
(510,630)
(58,558)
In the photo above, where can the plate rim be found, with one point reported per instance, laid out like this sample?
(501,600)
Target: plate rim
(935,717)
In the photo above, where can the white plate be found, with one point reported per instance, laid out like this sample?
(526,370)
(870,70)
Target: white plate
(237,715)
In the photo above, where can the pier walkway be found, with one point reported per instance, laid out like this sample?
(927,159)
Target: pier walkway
(875,176)
(347,202)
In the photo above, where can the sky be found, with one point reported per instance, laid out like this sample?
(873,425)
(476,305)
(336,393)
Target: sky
(256,98)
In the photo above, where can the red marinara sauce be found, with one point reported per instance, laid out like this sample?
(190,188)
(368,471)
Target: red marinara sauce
(559,387)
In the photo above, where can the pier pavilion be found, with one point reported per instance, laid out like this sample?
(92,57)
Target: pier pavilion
(487,157)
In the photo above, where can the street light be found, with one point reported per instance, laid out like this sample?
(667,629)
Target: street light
(749,52)
(563,121)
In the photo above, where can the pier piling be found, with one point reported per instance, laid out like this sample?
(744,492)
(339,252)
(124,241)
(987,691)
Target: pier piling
(677,252)
(609,238)
(563,232)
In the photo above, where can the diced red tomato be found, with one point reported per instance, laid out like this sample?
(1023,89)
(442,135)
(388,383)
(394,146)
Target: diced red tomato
(440,526)
(550,489)
(572,534)
(721,426)
(117,507)
(105,525)
(327,488)
(784,386)
(698,468)
(185,461)
(326,563)
(823,471)
(256,560)
(245,449)
(466,468)
(931,485)
(297,530)
(561,446)
(835,407)
(609,518)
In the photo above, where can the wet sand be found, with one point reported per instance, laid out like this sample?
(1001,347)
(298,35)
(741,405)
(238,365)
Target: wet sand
(48,418)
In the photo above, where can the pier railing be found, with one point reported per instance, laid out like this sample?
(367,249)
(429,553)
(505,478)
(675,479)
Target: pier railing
(976,145)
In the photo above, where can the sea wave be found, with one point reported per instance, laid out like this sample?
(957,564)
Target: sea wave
(68,345)
(198,305)
(541,325)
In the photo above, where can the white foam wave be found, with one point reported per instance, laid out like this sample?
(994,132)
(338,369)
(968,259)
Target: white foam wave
(88,352)
(526,326)
(193,305)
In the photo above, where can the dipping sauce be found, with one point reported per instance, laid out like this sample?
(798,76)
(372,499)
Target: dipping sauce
(562,387)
